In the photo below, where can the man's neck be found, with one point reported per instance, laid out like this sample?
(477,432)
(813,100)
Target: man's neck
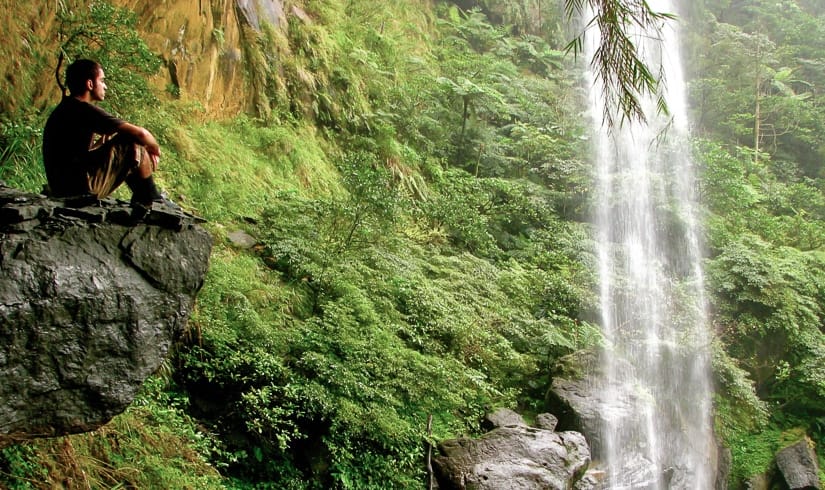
(87,97)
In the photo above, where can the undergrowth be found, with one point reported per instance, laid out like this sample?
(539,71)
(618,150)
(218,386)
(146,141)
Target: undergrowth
(388,284)
(154,444)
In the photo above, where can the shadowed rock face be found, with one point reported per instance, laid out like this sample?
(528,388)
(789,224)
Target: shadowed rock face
(90,303)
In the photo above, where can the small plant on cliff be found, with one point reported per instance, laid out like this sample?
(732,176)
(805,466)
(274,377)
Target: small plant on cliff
(18,467)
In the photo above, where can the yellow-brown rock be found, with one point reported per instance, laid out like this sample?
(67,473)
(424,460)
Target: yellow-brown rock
(201,42)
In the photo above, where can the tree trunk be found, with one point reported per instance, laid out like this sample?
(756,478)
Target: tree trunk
(757,112)
(464,116)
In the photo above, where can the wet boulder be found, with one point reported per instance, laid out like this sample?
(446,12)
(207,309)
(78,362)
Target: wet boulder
(91,300)
(513,455)
(798,465)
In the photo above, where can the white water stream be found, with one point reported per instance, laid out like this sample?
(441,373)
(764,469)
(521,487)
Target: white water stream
(656,421)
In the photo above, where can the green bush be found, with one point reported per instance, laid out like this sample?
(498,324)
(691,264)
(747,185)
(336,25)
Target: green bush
(20,152)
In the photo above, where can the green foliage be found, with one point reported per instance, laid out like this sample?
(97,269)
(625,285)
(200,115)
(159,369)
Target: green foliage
(340,383)
(501,98)
(738,408)
(20,161)
(411,184)
(19,467)
(332,230)
(366,332)
(770,300)
(354,319)
(492,217)
(758,64)
(154,444)
(753,452)
(766,198)
(766,278)
(226,171)
(108,35)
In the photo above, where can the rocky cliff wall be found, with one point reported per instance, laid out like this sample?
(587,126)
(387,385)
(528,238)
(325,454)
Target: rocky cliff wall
(204,45)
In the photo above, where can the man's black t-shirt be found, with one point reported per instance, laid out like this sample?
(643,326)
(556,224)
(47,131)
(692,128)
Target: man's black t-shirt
(67,137)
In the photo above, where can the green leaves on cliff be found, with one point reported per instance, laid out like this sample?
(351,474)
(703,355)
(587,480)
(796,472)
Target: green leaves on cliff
(108,35)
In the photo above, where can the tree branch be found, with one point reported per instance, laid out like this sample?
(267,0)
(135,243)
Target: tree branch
(625,76)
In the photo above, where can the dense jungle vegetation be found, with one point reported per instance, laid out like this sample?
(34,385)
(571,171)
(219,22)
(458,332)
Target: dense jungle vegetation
(417,177)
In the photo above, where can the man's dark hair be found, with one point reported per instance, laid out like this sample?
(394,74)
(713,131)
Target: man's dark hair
(78,72)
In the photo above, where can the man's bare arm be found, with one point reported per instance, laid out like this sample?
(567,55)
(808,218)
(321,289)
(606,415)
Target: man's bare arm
(145,138)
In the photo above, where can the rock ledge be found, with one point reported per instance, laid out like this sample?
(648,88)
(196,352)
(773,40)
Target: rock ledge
(91,300)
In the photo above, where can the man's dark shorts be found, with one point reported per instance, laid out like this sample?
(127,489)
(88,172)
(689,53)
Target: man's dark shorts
(108,165)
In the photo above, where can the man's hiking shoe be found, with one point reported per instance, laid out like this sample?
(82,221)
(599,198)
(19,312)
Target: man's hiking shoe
(164,201)
(160,202)
(162,211)
(139,210)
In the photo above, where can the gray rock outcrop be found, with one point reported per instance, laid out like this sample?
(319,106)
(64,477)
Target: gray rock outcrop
(576,396)
(502,417)
(513,456)
(91,300)
(798,465)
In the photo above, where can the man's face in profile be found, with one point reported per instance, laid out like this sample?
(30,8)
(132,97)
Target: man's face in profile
(98,90)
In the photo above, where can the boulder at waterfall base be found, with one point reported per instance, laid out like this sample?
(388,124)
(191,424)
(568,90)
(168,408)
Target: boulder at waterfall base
(798,465)
(513,455)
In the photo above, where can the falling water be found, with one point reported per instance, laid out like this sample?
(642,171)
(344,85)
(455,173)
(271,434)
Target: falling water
(655,420)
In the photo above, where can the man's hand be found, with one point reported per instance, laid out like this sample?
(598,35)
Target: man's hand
(145,138)
(154,158)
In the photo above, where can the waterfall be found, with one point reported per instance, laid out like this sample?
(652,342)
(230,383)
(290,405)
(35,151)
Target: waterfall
(656,430)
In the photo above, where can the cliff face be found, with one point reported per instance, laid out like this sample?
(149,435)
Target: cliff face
(204,46)
(90,303)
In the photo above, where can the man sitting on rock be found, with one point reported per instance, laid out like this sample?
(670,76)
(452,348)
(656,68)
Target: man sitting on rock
(89,152)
